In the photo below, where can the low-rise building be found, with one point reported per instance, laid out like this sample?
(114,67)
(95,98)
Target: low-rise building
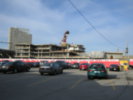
(105,55)
(4,53)
(113,55)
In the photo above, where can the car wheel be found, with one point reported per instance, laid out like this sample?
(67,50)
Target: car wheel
(15,70)
(90,77)
(41,73)
(106,77)
(55,72)
(27,70)
(4,72)
(61,71)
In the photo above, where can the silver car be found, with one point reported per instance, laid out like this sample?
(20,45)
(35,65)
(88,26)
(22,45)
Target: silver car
(50,68)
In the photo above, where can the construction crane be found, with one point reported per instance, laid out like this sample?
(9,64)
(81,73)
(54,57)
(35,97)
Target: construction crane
(64,40)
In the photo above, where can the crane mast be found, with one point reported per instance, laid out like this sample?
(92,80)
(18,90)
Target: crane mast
(64,40)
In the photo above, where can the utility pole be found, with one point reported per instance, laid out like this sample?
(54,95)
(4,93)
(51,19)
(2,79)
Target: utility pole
(127,51)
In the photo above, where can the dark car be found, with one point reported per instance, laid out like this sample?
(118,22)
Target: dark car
(63,64)
(97,70)
(84,66)
(69,65)
(130,66)
(50,68)
(30,64)
(114,67)
(75,65)
(16,66)
(2,63)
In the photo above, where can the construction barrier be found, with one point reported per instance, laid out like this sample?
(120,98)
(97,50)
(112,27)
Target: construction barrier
(106,62)
(131,62)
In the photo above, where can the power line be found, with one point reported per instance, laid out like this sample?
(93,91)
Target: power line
(88,22)
(5,42)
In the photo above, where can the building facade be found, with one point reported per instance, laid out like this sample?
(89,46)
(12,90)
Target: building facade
(18,35)
(113,55)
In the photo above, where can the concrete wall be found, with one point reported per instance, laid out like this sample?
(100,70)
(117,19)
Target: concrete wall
(96,54)
(113,56)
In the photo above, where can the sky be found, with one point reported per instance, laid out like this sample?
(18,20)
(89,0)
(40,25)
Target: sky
(47,21)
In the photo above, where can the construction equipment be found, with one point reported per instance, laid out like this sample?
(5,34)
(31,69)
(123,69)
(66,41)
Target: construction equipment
(64,40)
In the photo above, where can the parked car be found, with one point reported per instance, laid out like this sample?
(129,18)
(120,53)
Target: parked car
(75,65)
(84,66)
(30,64)
(97,70)
(69,65)
(2,63)
(130,66)
(50,68)
(114,67)
(16,66)
(63,64)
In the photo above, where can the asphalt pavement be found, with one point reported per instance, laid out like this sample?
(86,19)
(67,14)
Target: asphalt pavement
(71,85)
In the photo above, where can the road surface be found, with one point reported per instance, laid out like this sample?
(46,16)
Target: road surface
(71,85)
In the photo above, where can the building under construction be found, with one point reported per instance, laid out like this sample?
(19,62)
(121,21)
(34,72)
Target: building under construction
(64,50)
(47,51)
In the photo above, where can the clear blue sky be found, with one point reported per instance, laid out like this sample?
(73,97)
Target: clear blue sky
(49,19)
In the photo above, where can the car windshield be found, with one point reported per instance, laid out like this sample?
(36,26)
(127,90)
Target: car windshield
(3,62)
(114,65)
(84,64)
(46,64)
(97,66)
(76,63)
(125,64)
(9,63)
(62,62)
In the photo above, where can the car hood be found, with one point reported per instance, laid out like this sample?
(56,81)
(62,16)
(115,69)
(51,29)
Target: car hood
(45,67)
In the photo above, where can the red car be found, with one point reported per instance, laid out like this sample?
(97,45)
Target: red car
(84,66)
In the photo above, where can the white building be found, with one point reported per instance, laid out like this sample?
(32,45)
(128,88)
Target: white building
(105,55)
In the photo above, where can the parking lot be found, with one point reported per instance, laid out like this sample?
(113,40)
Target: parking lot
(71,85)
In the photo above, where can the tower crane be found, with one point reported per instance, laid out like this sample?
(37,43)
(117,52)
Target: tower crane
(64,40)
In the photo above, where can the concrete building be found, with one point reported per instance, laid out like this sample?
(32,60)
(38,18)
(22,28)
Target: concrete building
(113,55)
(18,35)
(44,51)
(76,48)
(4,53)
(105,55)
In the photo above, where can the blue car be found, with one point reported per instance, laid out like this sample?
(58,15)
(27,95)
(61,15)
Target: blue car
(97,70)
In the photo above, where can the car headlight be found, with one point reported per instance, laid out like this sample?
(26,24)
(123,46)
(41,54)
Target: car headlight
(3,66)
